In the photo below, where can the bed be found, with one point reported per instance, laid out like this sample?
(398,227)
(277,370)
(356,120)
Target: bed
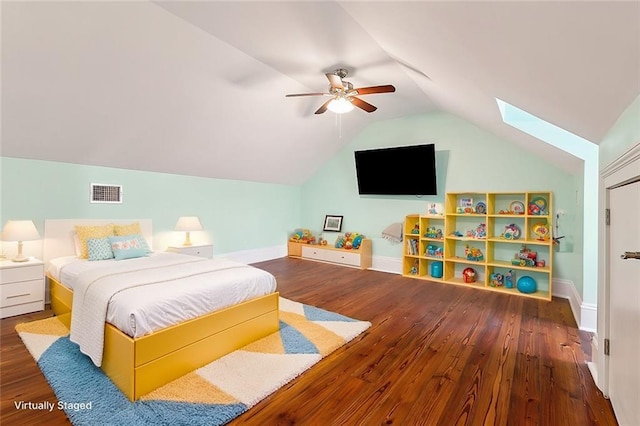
(141,360)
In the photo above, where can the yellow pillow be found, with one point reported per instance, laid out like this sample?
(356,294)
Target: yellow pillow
(85,233)
(132,229)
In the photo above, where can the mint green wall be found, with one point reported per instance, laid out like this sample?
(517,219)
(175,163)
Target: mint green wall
(468,159)
(624,134)
(236,215)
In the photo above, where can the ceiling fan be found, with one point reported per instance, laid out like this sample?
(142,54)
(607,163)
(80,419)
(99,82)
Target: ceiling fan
(344,96)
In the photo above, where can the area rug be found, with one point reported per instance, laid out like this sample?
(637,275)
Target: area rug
(211,395)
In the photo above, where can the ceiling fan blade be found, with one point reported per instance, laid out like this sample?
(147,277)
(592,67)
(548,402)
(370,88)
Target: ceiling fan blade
(375,89)
(323,107)
(335,80)
(305,94)
(362,104)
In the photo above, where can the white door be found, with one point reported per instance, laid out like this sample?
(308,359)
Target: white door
(624,304)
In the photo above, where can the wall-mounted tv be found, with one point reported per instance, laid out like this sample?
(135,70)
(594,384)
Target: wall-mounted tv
(404,170)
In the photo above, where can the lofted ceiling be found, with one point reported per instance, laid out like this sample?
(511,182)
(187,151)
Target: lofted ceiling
(198,87)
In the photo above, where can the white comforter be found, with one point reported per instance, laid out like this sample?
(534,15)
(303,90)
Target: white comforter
(153,290)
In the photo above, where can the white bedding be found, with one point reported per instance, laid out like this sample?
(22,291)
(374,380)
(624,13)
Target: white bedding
(143,295)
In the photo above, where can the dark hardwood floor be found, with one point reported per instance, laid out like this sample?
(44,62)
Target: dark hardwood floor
(434,355)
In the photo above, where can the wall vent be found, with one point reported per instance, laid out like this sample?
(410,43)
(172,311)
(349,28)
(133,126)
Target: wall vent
(103,193)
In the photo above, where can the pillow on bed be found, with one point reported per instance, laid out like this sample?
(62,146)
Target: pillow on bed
(99,249)
(84,233)
(131,229)
(127,247)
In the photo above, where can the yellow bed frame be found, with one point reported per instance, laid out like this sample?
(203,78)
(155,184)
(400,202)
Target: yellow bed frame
(139,365)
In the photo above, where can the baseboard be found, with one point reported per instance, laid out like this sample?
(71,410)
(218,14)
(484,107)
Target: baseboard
(256,255)
(386,264)
(585,314)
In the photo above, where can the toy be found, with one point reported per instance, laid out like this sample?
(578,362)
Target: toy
(416,229)
(414,268)
(508,279)
(525,257)
(456,234)
(435,209)
(434,251)
(436,269)
(511,232)
(469,275)
(481,208)
(357,241)
(432,232)
(481,231)
(516,207)
(527,285)
(473,253)
(496,280)
(302,236)
(541,231)
(348,245)
(537,206)
(340,242)
(323,242)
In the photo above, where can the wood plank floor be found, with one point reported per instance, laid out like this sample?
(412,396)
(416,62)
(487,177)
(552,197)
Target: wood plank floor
(434,355)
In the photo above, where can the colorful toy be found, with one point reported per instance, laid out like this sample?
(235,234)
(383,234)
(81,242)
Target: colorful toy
(481,231)
(456,234)
(537,206)
(496,280)
(302,236)
(432,232)
(414,268)
(348,245)
(511,232)
(323,242)
(516,207)
(357,241)
(473,253)
(481,208)
(434,251)
(469,275)
(416,229)
(541,231)
(525,257)
(340,242)
(508,279)
(436,269)
(527,285)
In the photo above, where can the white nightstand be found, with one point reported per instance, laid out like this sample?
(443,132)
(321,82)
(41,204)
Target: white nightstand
(204,250)
(21,287)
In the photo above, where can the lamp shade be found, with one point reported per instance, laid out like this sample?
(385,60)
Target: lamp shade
(188,223)
(340,105)
(20,230)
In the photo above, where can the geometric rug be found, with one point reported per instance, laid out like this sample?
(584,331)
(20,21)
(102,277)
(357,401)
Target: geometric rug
(212,395)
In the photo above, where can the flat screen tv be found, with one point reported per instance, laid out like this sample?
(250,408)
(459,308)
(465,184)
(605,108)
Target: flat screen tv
(405,170)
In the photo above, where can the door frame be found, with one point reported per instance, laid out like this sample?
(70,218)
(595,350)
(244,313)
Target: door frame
(624,169)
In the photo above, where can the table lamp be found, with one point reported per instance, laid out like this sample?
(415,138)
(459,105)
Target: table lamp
(20,230)
(188,224)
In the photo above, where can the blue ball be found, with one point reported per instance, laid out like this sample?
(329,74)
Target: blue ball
(527,285)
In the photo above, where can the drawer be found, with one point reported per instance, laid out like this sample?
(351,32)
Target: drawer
(21,292)
(23,273)
(343,257)
(313,253)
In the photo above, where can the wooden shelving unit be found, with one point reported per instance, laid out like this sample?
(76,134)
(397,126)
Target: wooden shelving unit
(454,237)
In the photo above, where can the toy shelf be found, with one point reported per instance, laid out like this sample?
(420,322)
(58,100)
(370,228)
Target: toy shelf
(493,233)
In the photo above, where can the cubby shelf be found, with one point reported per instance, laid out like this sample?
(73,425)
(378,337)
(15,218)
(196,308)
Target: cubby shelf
(507,223)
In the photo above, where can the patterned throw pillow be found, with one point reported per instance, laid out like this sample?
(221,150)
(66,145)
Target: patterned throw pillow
(127,247)
(99,249)
(131,229)
(85,233)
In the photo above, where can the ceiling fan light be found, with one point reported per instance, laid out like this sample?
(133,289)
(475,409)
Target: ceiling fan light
(340,105)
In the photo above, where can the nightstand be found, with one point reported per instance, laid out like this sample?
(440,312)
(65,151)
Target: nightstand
(204,250)
(21,287)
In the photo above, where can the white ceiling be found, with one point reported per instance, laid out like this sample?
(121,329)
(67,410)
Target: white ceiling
(198,87)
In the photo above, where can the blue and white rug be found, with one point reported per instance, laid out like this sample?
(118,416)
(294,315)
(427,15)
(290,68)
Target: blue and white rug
(212,395)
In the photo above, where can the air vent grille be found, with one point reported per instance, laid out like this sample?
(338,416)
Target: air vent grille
(102,193)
